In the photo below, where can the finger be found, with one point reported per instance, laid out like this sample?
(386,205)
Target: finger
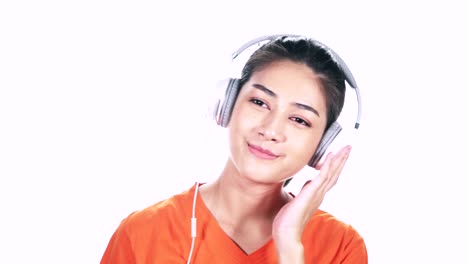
(332,166)
(315,190)
(312,187)
(330,172)
(320,163)
(340,157)
(327,176)
(338,168)
(318,185)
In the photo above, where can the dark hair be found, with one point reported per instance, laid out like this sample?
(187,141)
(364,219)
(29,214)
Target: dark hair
(311,54)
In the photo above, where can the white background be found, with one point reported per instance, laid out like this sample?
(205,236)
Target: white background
(103,104)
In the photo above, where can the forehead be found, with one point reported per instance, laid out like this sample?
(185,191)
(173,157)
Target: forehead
(291,81)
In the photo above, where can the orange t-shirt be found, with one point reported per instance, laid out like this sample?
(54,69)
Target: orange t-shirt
(161,234)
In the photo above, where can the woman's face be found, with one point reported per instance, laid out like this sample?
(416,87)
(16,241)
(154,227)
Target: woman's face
(277,122)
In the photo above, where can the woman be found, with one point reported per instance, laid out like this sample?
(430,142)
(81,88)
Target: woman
(290,92)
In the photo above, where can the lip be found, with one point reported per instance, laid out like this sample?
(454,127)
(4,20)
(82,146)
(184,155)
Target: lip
(262,153)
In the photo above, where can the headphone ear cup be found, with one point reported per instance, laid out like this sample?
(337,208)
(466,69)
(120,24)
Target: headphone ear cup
(225,106)
(325,142)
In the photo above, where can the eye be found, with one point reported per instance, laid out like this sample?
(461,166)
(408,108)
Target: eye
(300,121)
(258,102)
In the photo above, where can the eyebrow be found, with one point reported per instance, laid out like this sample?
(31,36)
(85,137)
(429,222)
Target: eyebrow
(273,94)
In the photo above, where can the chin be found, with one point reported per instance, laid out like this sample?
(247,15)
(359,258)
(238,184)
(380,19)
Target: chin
(261,173)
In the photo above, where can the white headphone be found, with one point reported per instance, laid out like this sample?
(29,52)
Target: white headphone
(193,220)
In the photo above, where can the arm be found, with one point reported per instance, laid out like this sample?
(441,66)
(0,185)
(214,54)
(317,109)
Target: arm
(290,253)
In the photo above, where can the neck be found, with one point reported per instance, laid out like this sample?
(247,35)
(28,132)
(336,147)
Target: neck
(234,199)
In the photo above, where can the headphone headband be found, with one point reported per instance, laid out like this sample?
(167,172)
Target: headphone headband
(338,60)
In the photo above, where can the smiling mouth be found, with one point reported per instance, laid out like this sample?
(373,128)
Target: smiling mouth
(262,153)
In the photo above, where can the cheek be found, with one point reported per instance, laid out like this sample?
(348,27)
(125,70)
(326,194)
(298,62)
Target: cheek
(243,118)
(305,147)
(240,126)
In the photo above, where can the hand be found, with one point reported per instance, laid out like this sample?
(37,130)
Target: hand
(290,221)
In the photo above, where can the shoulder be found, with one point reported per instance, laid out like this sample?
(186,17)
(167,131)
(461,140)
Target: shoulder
(161,220)
(138,234)
(328,222)
(328,234)
(165,210)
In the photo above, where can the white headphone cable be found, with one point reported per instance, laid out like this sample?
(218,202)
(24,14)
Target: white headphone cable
(194,223)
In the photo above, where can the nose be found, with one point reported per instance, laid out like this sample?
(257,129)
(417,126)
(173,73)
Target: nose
(272,128)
